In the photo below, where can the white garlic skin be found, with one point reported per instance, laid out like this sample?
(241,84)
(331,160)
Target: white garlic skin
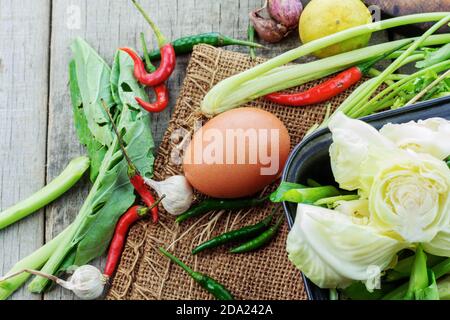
(87,282)
(178,191)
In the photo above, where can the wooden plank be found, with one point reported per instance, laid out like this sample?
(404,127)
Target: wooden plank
(24,40)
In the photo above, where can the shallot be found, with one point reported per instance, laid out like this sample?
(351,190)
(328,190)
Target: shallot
(285,12)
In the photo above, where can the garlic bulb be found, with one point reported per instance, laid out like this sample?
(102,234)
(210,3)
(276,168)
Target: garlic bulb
(87,282)
(178,191)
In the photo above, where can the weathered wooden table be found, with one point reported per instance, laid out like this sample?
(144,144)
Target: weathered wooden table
(37,136)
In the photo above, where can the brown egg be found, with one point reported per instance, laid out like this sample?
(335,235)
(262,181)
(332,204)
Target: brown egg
(237,153)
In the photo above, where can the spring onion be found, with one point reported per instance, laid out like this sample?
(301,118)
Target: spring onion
(214,101)
(356,106)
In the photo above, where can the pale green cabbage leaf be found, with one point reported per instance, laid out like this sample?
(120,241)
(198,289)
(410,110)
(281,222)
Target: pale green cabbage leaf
(333,249)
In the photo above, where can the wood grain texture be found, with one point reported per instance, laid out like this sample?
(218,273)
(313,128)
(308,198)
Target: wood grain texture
(24,29)
(24,123)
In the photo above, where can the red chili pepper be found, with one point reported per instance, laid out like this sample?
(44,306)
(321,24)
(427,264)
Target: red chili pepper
(117,242)
(142,189)
(161,91)
(320,93)
(168,61)
(135,177)
(115,248)
(162,99)
(330,88)
(161,74)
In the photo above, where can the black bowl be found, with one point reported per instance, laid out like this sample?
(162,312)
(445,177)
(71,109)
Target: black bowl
(310,158)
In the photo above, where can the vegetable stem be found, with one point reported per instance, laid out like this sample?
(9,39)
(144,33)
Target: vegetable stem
(177,261)
(251,38)
(148,63)
(58,186)
(419,273)
(159,36)
(68,242)
(34,261)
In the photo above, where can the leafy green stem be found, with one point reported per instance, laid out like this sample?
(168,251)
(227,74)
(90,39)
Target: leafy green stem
(71,174)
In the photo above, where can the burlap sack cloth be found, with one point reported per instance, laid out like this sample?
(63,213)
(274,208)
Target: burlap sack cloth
(266,274)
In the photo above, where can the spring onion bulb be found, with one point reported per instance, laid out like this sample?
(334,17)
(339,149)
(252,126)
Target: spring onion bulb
(213,103)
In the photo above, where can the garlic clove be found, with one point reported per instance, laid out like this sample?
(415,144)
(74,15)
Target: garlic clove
(178,191)
(87,282)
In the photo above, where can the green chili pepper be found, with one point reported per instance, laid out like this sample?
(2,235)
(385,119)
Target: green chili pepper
(260,240)
(242,233)
(211,285)
(186,44)
(220,204)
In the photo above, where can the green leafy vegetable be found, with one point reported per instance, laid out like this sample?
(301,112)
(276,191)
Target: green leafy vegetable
(403,268)
(93,76)
(417,85)
(111,194)
(95,149)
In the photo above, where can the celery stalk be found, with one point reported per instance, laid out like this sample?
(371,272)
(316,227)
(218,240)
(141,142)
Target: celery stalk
(71,174)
